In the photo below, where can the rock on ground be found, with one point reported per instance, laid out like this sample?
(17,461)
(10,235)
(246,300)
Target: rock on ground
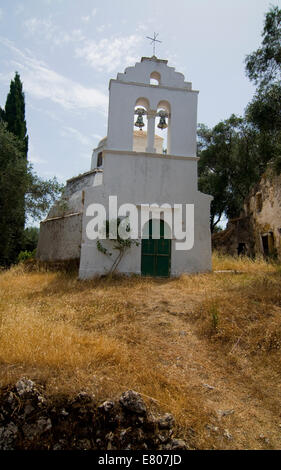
(28,420)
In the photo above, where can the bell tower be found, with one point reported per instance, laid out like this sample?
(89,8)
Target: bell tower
(153,91)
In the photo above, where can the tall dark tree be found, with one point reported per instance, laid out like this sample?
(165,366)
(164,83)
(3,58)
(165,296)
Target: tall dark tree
(22,192)
(13,185)
(14,117)
(229,164)
(235,153)
(263,66)
(14,113)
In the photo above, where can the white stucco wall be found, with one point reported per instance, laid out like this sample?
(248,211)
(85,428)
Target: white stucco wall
(60,238)
(137,175)
(140,178)
(135,84)
(140,142)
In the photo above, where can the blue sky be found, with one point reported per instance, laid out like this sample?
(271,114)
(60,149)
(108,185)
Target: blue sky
(66,51)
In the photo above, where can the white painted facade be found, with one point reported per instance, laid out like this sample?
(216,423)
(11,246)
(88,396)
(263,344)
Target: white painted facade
(132,166)
(148,176)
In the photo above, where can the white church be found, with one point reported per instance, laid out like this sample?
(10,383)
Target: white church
(148,157)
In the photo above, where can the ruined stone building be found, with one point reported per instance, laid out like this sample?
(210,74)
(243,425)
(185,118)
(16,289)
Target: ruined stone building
(258,229)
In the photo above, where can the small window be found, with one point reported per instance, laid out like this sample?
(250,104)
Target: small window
(259,202)
(241,250)
(265,245)
(155,78)
(99,161)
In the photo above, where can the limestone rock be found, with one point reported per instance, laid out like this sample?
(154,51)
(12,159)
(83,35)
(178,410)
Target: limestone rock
(133,402)
(166,421)
(8,436)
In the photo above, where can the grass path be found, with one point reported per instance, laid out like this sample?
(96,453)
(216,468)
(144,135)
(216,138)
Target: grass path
(204,347)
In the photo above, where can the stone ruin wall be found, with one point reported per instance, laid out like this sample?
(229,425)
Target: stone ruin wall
(61,231)
(260,218)
(264,208)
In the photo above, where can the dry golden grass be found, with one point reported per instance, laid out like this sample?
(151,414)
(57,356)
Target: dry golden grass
(168,339)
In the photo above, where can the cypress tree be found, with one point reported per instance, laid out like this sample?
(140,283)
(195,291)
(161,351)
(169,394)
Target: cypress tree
(14,113)
(13,116)
(13,185)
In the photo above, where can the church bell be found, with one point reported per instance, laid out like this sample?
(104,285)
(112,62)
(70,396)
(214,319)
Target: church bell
(162,123)
(139,122)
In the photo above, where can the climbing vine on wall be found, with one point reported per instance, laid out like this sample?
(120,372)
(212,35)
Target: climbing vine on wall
(121,243)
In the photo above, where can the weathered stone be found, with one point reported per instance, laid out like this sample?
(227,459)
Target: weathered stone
(61,445)
(41,400)
(66,424)
(166,421)
(106,406)
(8,436)
(133,402)
(28,409)
(11,397)
(227,434)
(24,386)
(178,444)
(222,413)
(83,444)
(84,397)
(32,430)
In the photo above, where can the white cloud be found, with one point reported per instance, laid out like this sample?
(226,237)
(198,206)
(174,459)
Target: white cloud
(82,139)
(44,83)
(35,25)
(109,54)
(101,28)
(97,136)
(19,8)
(33,157)
(86,156)
(87,18)
(50,32)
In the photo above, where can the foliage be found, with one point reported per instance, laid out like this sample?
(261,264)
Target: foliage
(214,316)
(14,113)
(122,243)
(264,65)
(24,255)
(236,152)
(229,164)
(22,193)
(265,109)
(30,238)
(13,185)
(40,195)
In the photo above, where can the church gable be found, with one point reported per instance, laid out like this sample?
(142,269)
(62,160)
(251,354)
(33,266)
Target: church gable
(153,68)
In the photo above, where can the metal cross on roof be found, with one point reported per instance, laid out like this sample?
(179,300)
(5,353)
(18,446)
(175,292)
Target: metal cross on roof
(153,41)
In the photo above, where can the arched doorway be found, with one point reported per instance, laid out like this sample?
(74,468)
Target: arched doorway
(156,253)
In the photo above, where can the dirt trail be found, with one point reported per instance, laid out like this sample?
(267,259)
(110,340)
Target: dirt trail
(113,335)
(243,413)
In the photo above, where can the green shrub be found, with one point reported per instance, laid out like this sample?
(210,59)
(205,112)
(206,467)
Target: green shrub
(24,255)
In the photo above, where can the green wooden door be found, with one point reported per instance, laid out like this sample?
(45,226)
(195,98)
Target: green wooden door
(156,254)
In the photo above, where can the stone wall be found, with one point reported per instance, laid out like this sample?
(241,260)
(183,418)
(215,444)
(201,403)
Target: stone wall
(31,421)
(61,232)
(60,238)
(258,230)
(263,206)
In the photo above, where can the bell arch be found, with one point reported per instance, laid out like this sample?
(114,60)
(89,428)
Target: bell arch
(163,125)
(155,78)
(141,109)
